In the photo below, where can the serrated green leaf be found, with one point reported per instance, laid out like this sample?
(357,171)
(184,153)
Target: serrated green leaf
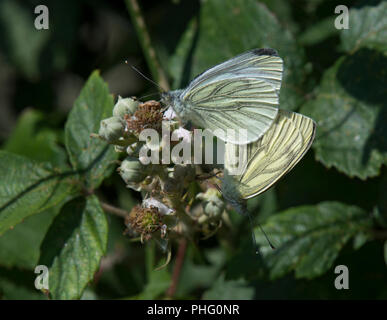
(226,28)
(309,238)
(28,187)
(20,246)
(74,246)
(229,290)
(28,139)
(92,157)
(367,28)
(351,114)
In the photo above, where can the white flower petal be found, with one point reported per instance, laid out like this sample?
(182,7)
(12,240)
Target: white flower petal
(163,209)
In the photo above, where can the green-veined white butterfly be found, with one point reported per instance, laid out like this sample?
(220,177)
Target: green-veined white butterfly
(240,93)
(268,159)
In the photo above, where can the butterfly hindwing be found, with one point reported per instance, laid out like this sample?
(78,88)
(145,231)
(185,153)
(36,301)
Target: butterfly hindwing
(275,154)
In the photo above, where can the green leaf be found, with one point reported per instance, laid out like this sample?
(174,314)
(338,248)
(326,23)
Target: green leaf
(282,9)
(351,115)
(195,276)
(226,28)
(319,31)
(360,239)
(158,282)
(30,140)
(28,187)
(92,157)
(367,28)
(74,246)
(309,238)
(20,246)
(229,290)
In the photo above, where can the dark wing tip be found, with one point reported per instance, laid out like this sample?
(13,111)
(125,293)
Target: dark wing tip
(265,52)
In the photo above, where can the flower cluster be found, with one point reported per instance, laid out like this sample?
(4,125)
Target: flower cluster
(177,200)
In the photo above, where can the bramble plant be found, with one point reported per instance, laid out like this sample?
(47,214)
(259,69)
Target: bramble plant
(169,183)
(83,201)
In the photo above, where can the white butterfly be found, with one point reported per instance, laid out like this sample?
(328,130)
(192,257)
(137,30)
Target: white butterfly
(240,93)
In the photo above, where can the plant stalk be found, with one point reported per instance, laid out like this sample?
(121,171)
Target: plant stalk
(146,44)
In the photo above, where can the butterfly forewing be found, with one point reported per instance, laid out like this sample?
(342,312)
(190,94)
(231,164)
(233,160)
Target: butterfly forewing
(241,93)
(258,63)
(243,103)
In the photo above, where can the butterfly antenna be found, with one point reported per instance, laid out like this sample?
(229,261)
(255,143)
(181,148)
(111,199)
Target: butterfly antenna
(267,238)
(148,95)
(253,235)
(145,77)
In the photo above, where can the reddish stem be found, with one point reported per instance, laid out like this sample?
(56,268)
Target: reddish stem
(177,268)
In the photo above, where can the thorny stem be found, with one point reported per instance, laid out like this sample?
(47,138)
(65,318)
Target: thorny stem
(177,268)
(114,210)
(146,44)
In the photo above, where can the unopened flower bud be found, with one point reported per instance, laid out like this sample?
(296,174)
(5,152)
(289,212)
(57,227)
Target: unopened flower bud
(132,170)
(134,149)
(111,129)
(127,106)
(213,206)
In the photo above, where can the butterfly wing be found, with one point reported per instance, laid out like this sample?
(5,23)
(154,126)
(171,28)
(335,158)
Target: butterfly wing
(241,93)
(264,64)
(271,157)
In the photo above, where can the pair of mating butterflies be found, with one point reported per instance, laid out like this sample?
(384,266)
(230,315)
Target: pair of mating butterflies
(243,93)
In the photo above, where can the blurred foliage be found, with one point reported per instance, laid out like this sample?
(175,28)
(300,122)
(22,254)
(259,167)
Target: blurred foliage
(330,210)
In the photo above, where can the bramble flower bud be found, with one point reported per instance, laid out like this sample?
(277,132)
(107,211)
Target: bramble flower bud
(213,205)
(132,170)
(111,129)
(133,149)
(127,106)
